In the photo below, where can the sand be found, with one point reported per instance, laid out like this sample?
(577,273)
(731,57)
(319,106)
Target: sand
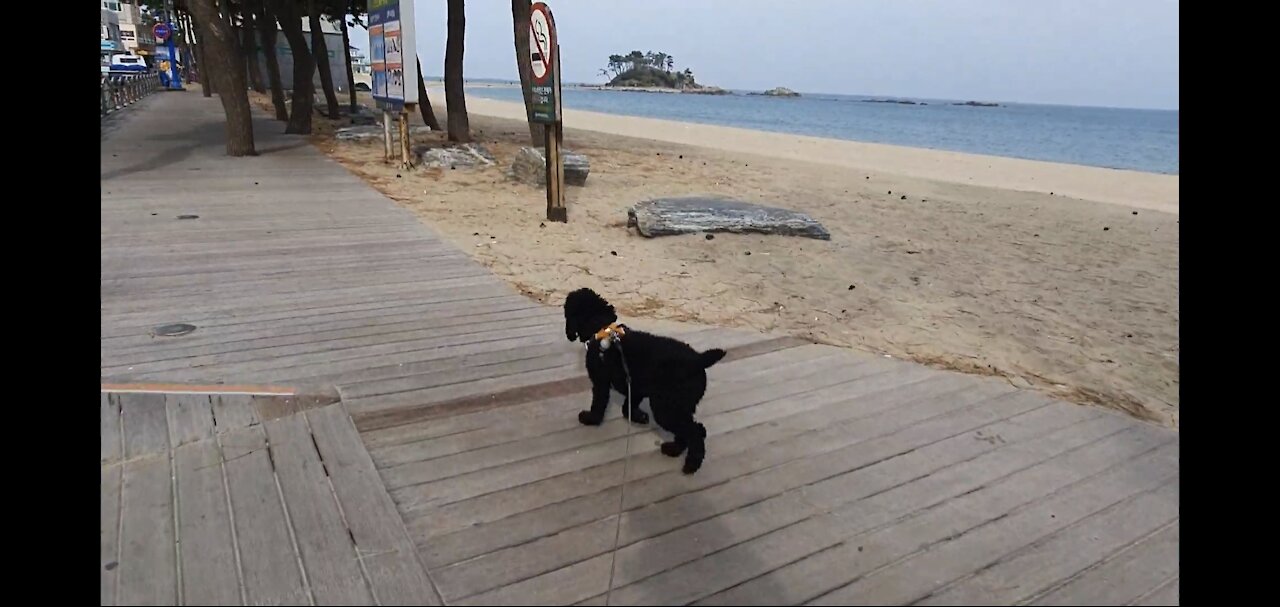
(978,269)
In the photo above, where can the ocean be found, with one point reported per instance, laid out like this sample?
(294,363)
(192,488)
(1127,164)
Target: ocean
(1139,140)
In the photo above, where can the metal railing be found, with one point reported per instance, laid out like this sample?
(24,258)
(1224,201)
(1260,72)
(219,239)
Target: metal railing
(122,90)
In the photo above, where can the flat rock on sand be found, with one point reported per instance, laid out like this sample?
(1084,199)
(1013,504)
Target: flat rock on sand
(465,155)
(530,166)
(371,132)
(667,216)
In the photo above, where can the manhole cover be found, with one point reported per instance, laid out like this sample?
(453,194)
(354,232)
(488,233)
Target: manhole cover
(188,217)
(174,330)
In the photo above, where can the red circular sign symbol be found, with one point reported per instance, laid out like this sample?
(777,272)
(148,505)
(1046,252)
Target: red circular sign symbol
(541,42)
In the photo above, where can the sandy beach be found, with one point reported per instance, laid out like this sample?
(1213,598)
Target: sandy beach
(1055,276)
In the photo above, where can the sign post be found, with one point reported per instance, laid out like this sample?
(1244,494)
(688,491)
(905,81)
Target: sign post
(393,56)
(544,52)
(164,31)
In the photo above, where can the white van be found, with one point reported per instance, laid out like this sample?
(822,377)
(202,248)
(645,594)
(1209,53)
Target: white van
(128,63)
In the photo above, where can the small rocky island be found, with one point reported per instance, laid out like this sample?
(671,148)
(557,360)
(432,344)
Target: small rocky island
(652,72)
(897,101)
(781,91)
(978,104)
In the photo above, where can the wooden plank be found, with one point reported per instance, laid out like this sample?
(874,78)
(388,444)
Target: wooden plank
(425,289)
(696,524)
(324,541)
(174,288)
(233,412)
(396,576)
(210,572)
(503,477)
(579,579)
(530,413)
(561,356)
(109,534)
(419,441)
(163,272)
(340,372)
(269,561)
(1018,577)
(1089,487)
(214,343)
(1164,595)
(1126,577)
(148,571)
(545,427)
(986,543)
(109,435)
(307,324)
(560,430)
(270,359)
(802,562)
(190,418)
(476,388)
(129,326)
(146,430)
(767,440)
(652,479)
(424,285)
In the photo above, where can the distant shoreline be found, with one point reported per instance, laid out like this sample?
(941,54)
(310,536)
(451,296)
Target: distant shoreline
(1126,187)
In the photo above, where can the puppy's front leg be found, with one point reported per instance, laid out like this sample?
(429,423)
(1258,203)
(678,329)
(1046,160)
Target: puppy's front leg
(599,401)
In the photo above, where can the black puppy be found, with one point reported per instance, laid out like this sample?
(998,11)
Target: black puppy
(670,373)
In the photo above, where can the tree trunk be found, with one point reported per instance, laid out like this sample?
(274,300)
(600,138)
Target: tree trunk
(346,52)
(202,69)
(250,37)
(304,67)
(266,21)
(424,103)
(520,11)
(229,15)
(320,52)
(455,99)
(223,60)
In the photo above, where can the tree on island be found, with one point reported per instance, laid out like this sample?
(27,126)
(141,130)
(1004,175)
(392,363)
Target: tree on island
(650,69)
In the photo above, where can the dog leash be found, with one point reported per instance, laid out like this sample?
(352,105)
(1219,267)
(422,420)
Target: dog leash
(613,336)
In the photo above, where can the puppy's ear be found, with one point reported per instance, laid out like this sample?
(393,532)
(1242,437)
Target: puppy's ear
(570,331)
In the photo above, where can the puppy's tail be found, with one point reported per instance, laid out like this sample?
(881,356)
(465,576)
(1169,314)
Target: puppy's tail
(711,357)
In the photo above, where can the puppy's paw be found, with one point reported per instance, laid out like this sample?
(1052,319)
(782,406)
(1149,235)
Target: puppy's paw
(587,418)
(691,465)
(639,417)
(672,449)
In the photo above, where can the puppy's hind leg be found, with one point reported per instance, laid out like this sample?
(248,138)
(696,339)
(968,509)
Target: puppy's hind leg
(696,436)
(671,423)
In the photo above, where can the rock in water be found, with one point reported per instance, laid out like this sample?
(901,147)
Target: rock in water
(667,216)
(530,167)
(464,155)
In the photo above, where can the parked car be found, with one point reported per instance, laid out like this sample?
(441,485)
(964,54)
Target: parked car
(128,63)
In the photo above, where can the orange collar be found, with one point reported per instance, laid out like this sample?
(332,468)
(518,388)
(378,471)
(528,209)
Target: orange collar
(614,330)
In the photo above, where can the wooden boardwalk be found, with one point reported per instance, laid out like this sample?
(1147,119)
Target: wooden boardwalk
(454,470)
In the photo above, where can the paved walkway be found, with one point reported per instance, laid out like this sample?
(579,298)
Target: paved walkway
(383,421)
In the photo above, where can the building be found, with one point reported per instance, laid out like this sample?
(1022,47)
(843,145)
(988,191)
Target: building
(109,38)
(135,27)
(333,43)
(361,71)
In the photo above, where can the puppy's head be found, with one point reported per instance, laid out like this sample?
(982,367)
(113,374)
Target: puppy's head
(585,313)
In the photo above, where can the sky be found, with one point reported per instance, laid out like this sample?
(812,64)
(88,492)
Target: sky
(1111,53)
